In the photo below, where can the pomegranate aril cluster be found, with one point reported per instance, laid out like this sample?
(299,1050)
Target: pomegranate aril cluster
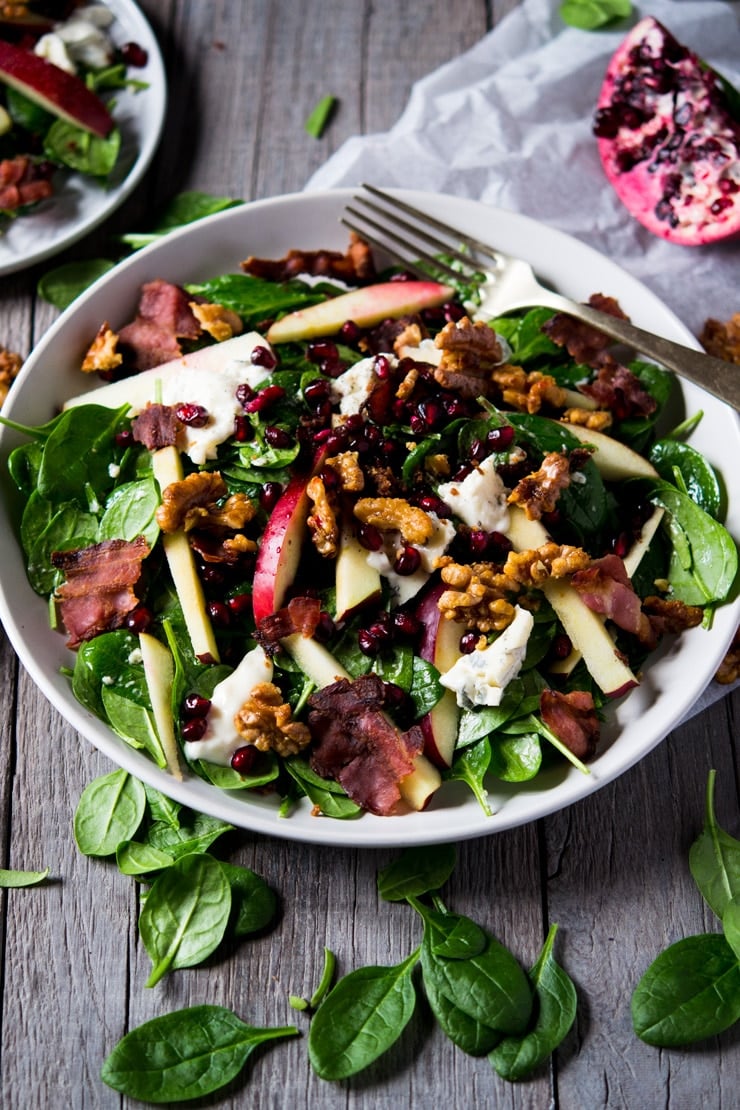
(194,716)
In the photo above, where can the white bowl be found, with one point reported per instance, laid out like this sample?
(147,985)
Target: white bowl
(677,673)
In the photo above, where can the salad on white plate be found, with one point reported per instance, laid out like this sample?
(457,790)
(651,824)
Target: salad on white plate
(319,552)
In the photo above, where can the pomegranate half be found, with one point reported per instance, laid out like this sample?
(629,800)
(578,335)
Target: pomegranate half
(668,140)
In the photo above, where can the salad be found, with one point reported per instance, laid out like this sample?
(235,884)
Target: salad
(60,73)
(351,544)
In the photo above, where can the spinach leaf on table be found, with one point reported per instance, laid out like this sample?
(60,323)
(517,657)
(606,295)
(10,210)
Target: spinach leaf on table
(417,871)
(185,1054)
(714,859)
(14,879)
(590,14)
(253,902)
(185,914)
(109,811)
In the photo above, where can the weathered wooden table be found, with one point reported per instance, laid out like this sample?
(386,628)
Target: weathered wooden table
(611,870)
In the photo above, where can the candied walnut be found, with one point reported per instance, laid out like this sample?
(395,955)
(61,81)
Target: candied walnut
(219,322)
(596,420)
(322,520)
(346,465)
(533,567)
(411,336)
(383,479)
(470,351)
(391,514)
(729,669)
(266,721)
(671,614)
(192,503)
(478,595)
(583,343)
(722,340)
(528,392)
(103,354)
(538,493)
(10,364)
(407,384)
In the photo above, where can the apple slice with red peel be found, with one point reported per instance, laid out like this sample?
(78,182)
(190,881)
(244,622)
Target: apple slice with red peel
(57,91)
(440,645)
(357,583)
(366,307)
(280,549)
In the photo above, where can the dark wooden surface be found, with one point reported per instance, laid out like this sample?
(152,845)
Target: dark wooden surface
(611,870)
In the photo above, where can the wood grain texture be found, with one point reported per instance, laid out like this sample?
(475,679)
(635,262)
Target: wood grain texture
(612,870)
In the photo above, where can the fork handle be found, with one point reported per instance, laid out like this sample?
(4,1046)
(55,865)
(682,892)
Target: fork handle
(713,374)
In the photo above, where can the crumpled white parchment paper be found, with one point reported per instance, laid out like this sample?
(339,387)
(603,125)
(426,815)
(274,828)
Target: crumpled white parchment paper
(510,123)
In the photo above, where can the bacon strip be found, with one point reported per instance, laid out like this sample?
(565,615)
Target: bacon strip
(356,265)
(98,591)
(156,426)
(572,717)
(605,587)
(163,317)
(358,746)
(301,614)
(617,389)
(23,182)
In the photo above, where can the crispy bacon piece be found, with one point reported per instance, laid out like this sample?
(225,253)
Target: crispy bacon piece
(382,338)
(354,266)
(24,182)
(301,614)
(358,746)
(164,316)
(572,717)
(605,587)
(156,426)
(617,389)
(671,615)
(582,342)
(98,591)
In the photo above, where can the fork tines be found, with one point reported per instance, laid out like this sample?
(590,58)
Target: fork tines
(405,241)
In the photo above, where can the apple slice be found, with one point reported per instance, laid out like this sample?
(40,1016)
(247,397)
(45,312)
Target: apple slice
(614,460)
(440,645)
(280,549)
(357,582)
(418,787)
(57,91)
(167,469)
(159,671)
(365,307)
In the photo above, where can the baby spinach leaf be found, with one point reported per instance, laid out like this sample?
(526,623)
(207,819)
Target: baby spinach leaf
(23,464)
(266,770)
(320,116)
(525,336)
(714,859)
(417,871)
(130,512)
(109,811)
(515,758)
(134,723)
(360,1018)
(134,858)
(185,914)
(699,477)
(105,658)
(79,149)
(162,808)
(185,1054)
(255,299)
(324,984)
(691,991)
(425,689)
(516,1058)
(328,795)
(470,1035)
(78,454)
(451,935)
(590,14)
(184,208)
(68,527)
(13,879)
(731,925)
(64,284)
(193,836)
(471,766)
(489,987)
(703,563)
(253,902)
(397,666)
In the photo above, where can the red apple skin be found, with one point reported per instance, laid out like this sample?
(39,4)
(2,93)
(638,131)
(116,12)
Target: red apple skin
(280,550)
(439,726)
(54,89)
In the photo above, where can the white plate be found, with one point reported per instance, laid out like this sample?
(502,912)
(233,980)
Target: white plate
(79,204)
(676,676)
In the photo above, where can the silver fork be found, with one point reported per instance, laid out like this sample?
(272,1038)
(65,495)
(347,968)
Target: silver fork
(509,283)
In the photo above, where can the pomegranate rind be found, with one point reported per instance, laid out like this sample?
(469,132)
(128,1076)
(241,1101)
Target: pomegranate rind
(667,139)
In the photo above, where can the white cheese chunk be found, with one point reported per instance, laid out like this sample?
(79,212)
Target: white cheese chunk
(352,388)
(481,677)
(406,586)
(221,739)
(480,499)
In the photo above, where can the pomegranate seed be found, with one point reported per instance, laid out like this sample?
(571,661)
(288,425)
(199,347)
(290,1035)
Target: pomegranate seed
(367,642)
(394,696)
(240,604)
(350,331)
(621,544)
(478,450)
(453,312)
(195,416)
(194,729)
(195,705)
(468,640)
(431,504)
(325,628)
(139,619)
(332,367)
(382,366)
(455,406)
(499,439)
(277,437)
(720,205)
(335,442)
(403,275)
(561,646)
(434,317)
(407,561)
(263,356)
(244,393)
(131,54)
(265,398)
(417,425)
(499,546)
(478,542)
(270,495)
(321,349)
(330,478)
(461,474)
(382,632)
(124,438)
(370,537)
(354,422)
(243,430)
(243,759)
(406,624)
(219,613)
(212,576)
(317,391)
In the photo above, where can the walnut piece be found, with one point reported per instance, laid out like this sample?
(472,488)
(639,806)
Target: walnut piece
(347,467)
(322,520)
(533,567)
(220,322)
(729,669)
(390,514)
(469,353)
(193,503)
(596,420)
(528,392)
(10,364)
(407,384)
(539,491)
(102,353)
(411,336)
(478,596)
(266,721)
(722,340)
